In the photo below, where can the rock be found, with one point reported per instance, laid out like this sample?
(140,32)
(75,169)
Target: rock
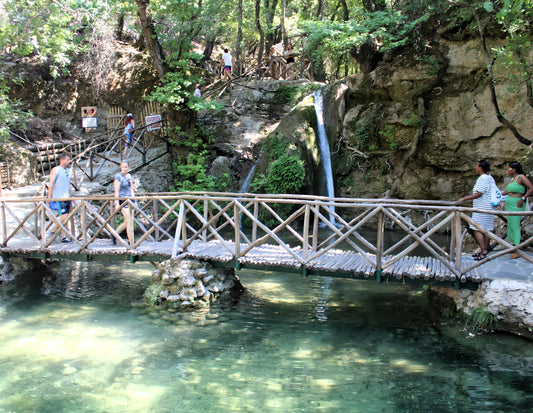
(200,289)
(187,280)
(193,279)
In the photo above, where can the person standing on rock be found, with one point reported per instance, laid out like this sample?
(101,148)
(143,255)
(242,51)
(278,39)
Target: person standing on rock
(481,196)
(517,191)
(123,187)
(227,60)
(59,188)
(129,124)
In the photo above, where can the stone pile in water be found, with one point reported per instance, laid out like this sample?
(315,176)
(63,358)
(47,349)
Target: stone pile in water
(193,283)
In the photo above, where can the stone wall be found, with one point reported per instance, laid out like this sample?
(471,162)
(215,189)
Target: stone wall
(191,283)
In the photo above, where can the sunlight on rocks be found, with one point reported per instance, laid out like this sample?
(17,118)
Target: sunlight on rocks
(408,366)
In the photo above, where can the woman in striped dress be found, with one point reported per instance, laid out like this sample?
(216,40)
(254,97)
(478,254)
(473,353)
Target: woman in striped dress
(481,194)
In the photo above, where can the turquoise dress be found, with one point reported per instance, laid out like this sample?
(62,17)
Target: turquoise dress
(513,222)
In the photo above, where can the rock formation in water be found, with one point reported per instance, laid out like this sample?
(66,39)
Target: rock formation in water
(191,283)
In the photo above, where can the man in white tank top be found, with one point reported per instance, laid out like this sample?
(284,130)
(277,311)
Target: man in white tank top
(59,188)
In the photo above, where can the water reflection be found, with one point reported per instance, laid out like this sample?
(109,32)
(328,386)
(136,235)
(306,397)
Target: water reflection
(79,340)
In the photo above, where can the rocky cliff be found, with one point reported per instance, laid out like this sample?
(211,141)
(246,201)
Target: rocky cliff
(422,124)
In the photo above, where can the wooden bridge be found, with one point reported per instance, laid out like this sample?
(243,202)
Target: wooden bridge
(303,234)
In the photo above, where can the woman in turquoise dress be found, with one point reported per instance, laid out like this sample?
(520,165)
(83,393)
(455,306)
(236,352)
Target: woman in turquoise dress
(517,191)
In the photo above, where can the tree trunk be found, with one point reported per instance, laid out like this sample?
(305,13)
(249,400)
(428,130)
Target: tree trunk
(345,10)
(152,42)
(120,27)
(208,50)
(238,51)
(320,10)
(272,34)
(283,30)
(261,33)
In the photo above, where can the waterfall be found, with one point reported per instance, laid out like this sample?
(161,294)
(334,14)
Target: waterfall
(248,181)
(325,155)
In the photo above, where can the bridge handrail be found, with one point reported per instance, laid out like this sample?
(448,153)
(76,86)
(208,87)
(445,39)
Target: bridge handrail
(419,204)
(183,218)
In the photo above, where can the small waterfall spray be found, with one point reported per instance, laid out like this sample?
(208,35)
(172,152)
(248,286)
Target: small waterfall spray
(248,181)
(325,155)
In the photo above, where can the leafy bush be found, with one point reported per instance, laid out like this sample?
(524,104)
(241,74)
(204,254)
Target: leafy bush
(286,175)
(11,116)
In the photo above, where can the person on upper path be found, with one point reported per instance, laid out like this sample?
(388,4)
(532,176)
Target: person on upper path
(517,191)
(129,124)
(197,91)
(123,188)
(481,196)
(59,188)
(227,60)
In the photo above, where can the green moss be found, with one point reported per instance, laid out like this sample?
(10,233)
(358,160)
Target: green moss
(152,295)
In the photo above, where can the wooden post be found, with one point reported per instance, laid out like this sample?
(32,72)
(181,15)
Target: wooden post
(4,224)
(236,212)
(156,218)
(83,222)
(177,236)
(254,224)
(43,225)
(130,222)
(315,232)
(305,246)
(379,246)
(204,232)
(456,235)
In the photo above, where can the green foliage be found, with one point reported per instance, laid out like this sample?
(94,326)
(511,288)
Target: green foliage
(448,313)
(432,65)
(286,175)
(413,121)
(192,175)
(366,135)
(11,115)
(388,134)
(479,320)
(152,295)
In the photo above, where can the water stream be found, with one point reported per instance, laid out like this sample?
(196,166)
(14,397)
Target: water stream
(79,339)
(325,155)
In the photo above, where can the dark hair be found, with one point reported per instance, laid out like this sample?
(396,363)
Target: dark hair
(63,156)
(485,165)
(128,120)
(225,50)
(516,166)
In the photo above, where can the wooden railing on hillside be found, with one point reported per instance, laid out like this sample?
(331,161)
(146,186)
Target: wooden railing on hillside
(239,223)
(110,147)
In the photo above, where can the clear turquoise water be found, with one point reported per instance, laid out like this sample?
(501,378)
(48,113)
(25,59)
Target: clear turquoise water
(80,340)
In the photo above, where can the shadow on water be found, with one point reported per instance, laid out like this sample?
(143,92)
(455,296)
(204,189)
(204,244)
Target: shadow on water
(77,339)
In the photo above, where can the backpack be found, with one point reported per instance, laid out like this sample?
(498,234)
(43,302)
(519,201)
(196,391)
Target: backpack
(495,194)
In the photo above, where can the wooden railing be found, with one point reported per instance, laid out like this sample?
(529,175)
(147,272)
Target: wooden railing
(304,227)
(108,146)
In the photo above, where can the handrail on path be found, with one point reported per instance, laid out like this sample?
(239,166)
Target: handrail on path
(306,231)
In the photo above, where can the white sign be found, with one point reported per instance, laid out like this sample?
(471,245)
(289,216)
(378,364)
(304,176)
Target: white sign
(89,122)
(153,122)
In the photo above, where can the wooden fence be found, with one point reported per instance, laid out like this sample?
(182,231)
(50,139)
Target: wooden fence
(304,230)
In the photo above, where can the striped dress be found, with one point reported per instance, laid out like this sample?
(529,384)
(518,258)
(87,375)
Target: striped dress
(483,185)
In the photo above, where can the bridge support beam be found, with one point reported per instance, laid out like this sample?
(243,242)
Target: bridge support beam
(379,277)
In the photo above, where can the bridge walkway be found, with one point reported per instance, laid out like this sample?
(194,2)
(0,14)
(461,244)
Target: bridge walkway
(303,234)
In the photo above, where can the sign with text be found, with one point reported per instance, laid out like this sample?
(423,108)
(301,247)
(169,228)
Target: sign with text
(153,122)
(89,122)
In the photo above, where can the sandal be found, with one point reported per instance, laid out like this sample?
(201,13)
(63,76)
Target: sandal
(476,254)
(481,256)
